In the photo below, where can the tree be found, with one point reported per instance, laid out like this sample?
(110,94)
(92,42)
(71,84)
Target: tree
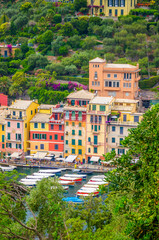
(63,50)
(59,68)
(74,41)
(89,42)
(3,69)
(57,18)
(67,29)
(134,186)
(56,44)
(47,37)
(26,6)
(37,61)
(71,69)
(80,4)
(5,83)
(19,84)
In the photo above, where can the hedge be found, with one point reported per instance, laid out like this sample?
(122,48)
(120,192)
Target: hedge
(142,12)
(148,83)
(84,81)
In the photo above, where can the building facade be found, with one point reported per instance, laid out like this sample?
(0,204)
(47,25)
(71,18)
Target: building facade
(75,124)
(117,80)
(98,114)
(111,8)
(18,125)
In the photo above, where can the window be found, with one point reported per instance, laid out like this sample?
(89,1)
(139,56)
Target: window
(111,93)
(108,75)
(20,114)
(95,75)
(95,150)
(66,151)
(116,3)
(92,127)
(52,126)
(43,125)
(50,137)
(113,128)
(61,137)
(2,127)
(35,125)
(101,5)
(13,113)
(102,108)
(60,127)
(42,136)
(56,116)
(106,83)
(121,151)
(122,12)
(89,150)
(73,132)
(80,151)
(73,115)
(121,130)
(100,119)
(72,102)
(126,94)
(91,119)
(98,83)
(56,147)
(36,147)
(41,146)
(110,84)
(113,140)
(79,133)
(92,83)
(66,123)
(67,114)
(80,115)
(80,125)
(89,139)
(95,128)
(110,12)
(129,85)
(3,146)
(18,136)
(94,107)
(8,136)
(73,151)
(124,85)
(56,137)
(35,110)
(99,127)
(8,124)
(3,138)
(79,142)
(95,140)
(136,118)
(113,149)
(116,12)
(31,112)
(121,139)
(25,125)
(73,141)
(122,3)
(124,118)
(35,136)
(66,142)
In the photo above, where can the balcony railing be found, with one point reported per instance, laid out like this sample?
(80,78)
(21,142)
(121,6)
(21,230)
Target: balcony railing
(123,123)
(13,140)
(95,144)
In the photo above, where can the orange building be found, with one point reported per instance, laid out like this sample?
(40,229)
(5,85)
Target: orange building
(117,80)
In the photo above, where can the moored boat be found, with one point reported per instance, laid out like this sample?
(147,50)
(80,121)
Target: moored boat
(85,192)
(98,183)
(36,177)
(91,186)
(73,200)
(29,180)
(67,183)
(55,171)
(44,174)
(74,179)
(7,169)
(76,175)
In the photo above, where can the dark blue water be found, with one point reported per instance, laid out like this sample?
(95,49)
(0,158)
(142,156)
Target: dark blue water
(72,190)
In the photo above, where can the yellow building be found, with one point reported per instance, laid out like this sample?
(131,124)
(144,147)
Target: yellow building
(124,116)
(18,126)
(98,112)
(110,8)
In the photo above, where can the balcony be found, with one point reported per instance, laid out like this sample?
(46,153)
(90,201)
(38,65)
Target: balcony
(128,123)
(96,132)
(13,140)
(96,144)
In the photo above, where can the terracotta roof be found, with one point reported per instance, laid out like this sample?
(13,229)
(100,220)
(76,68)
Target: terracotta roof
(21,104)
(97,60)
(101,100)
(82,94)
(46,106)
(41,117)
(114,65)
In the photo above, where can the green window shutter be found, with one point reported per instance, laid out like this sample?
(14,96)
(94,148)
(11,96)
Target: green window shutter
(20,146)
(33,136)
(38,136)
(16,146)
(45,136)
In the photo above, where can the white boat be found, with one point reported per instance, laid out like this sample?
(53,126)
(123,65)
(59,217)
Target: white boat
(74,179)
(98,183)
(91,186)
(85,192)
(67,183)
(44,174)
(7,169)
(76,175)
(96,180)
(36,177)
(50,171)
(76,170)
(98,177)
(30,184)
(29,180)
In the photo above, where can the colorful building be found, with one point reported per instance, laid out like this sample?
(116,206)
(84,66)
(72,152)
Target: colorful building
(111,8)
(75,124)
(124,116)
(3,111)
(56,131)
(3,100)
(8,50)
(117,80)
(98,114)
(18,126)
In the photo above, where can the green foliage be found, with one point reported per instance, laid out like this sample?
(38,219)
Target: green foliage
(37,61)
(83,81)
(57,18)
(47,37)
(56,67)
(5,83)
(80,4)
(26,6)
(142,12)
(149,83)
(89,42)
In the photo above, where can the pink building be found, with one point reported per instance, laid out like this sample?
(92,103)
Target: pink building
(117,80)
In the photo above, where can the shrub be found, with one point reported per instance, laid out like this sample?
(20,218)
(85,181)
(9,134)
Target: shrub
(148,83)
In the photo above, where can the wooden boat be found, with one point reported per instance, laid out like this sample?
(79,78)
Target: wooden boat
(7,169)
(74,179)
(67,183)
(76,175)
(85,192)
(44,174)
(55,171)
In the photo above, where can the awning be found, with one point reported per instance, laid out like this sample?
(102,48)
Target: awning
(60,159)
(29,157)
(15,155)
(94,159)
(70,158)
(114,117)
(40,155)
(47,158)
(107,163)
(55,154)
